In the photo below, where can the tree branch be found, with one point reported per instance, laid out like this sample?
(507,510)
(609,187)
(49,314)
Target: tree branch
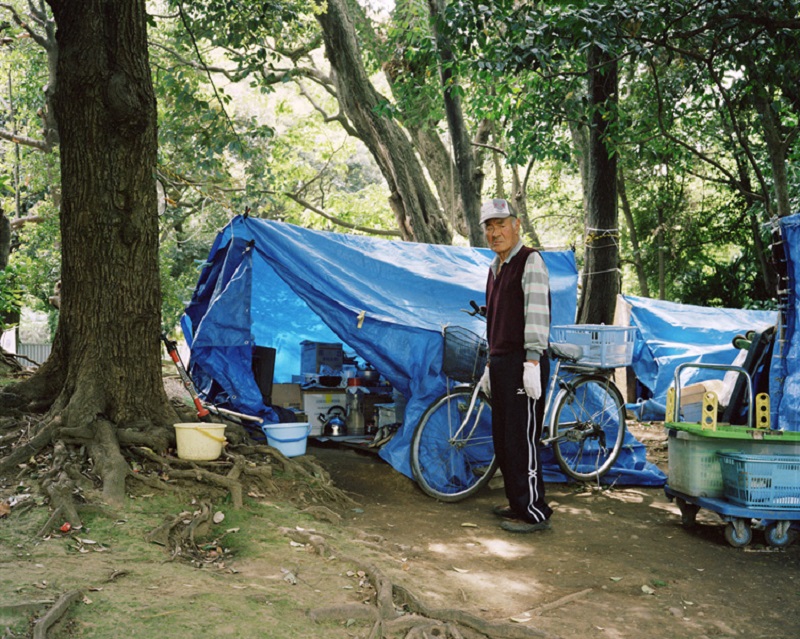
(39,16)
(339,221)
(39,145)
(491,147)
(340,117)
(195,65)
(19,222)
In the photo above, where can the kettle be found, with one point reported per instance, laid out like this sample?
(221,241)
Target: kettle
(333,422)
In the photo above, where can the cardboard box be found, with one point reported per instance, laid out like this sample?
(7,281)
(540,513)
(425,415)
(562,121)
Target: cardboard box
(314,355)
(317,402)
(287,395)
(692,402)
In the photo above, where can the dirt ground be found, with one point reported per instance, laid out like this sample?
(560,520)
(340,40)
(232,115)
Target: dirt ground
(617,564)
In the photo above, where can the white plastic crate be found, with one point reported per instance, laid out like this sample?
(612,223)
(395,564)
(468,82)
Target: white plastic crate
(603,346)
(694,462)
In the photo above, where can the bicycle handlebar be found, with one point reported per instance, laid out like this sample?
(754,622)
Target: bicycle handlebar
(476,310)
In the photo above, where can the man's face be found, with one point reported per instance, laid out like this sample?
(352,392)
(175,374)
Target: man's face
(502,235)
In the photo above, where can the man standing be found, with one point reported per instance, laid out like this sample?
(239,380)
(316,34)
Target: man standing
(518,327)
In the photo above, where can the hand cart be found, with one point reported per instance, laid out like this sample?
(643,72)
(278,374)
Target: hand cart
(738,532)
(697,478)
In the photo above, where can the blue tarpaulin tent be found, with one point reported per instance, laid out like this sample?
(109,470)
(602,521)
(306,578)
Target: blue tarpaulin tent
(272,284)
(670,334)
(785,372)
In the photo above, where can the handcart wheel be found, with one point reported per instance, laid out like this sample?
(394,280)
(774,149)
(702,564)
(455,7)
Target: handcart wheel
(688,512)
(778,534)
(738,533)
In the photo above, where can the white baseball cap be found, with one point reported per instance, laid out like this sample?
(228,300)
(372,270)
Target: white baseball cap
(496,208)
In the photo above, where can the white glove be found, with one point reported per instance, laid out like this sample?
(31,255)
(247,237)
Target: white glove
(484,383)
(532,379)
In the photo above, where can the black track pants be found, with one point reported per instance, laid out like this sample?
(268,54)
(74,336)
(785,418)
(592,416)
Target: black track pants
(516,427)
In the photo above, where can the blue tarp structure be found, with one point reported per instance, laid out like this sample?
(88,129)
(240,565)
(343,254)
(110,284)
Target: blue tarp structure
(273,284)
(670,334)
(785,372)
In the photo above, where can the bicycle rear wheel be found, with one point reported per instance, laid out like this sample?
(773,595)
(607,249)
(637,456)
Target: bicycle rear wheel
(449,462)
(590,417)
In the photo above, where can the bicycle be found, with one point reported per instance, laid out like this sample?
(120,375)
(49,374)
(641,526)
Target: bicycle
(452,455)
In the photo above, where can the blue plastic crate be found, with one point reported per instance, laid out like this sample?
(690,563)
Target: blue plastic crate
(603,346)
(761,481)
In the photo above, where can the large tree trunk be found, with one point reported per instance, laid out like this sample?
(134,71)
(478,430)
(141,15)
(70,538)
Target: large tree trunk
(601,271)
(439,164)
(105,369)
(469,180)
(418,214)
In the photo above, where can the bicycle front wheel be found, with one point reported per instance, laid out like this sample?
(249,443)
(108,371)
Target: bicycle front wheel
(452,454)
(590,426)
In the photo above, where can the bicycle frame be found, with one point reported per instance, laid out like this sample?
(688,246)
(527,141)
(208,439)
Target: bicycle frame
(551,427)
(552,388)
(476,419)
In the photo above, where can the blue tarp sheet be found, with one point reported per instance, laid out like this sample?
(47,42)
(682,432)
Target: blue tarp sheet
(273,284)
(670,334)
(785,372)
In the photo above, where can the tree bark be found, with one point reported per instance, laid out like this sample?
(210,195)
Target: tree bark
(601,272)
(638,264)
(442,171)
(776,148)
(519,189)
(661,246)
(106,360)
(418,213)
(468,178)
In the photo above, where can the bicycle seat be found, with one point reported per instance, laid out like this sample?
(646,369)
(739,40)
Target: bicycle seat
(569,352)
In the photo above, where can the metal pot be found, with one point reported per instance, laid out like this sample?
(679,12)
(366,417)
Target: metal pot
(333,423)
(369,375)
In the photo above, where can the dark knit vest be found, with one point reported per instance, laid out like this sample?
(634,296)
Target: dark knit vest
(505,306)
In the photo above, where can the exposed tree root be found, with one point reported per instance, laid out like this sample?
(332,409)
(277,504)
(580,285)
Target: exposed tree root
(9,364)
(399,613)
(182,529)
(54,614)
(27,447)
(93,461)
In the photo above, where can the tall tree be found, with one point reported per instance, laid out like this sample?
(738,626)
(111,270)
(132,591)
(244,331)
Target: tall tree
(103,383)
(470,180)
(601,267)
(417,211)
